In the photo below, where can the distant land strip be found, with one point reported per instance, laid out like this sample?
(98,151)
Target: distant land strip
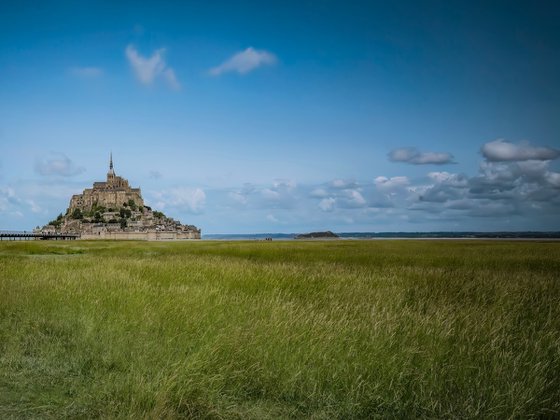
(397,235)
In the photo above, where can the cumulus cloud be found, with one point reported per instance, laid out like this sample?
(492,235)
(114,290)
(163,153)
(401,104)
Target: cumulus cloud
(340,195)
(455,180)
(191,200)
(327,204)
(445,187)
(86,72)
(553,178)
(245,61)
(343,184)
(415,157)
(148,69)
(281,194)
(504,151)
(355,199)
(57,164)
(384,183)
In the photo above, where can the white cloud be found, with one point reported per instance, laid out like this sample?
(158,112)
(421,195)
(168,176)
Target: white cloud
(318,193)
(57,164)
(457,180)
(192,200)
(286,184)
(356,198)
(238,197)
(147,69)
(272,218)
(86,72)
(169,75)
(384,183)
(327,204)
(245,61)
(281,194)
(33,206)
(504,151)
(553,178)
(415,157)
(343,184)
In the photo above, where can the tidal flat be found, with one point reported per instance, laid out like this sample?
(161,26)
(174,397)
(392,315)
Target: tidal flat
(288,329)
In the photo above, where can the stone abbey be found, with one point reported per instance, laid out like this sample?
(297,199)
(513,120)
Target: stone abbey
(114,210)
(109,194)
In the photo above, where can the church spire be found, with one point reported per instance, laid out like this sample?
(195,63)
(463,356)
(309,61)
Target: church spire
(111,170)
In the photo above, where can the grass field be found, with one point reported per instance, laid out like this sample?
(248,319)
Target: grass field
(334,329)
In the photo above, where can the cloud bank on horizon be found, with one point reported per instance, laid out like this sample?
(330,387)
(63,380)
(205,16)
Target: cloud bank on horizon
(520,185)
(348,117)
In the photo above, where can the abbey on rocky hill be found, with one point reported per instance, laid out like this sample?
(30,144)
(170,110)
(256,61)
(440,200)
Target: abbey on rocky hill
(114,210)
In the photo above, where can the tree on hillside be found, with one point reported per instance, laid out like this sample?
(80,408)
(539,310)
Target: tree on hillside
(77,214)
(125,213)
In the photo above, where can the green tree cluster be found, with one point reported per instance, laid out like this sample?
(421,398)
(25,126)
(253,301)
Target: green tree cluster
(58,221)
(77,214)
(125,213)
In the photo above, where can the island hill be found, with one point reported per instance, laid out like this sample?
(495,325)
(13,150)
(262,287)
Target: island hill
(317,235)
(114,210)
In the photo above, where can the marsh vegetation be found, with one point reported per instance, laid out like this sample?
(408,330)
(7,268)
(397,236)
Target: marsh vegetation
(334,329)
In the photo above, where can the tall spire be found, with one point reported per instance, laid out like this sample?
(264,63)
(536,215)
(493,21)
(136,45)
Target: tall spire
(111,171)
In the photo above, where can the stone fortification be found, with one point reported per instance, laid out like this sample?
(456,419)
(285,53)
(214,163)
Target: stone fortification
(114,210)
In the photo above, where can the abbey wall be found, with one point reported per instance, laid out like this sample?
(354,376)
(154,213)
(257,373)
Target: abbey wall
(105,198)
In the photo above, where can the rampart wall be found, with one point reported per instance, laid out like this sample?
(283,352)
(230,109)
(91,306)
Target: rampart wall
(141,236)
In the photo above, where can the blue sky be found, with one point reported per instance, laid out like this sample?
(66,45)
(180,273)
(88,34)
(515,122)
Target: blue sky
(286,116)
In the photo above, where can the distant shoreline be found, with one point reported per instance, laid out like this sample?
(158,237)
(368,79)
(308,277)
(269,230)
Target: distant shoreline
(552,236)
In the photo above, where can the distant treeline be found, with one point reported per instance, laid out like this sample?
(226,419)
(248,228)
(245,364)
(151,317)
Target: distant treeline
(527,235)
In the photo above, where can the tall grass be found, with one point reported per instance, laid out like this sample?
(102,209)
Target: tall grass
(335,329)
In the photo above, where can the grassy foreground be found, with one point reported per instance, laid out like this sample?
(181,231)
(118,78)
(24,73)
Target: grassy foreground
(343,329)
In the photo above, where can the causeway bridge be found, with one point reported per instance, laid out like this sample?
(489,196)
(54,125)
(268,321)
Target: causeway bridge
(23,235)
